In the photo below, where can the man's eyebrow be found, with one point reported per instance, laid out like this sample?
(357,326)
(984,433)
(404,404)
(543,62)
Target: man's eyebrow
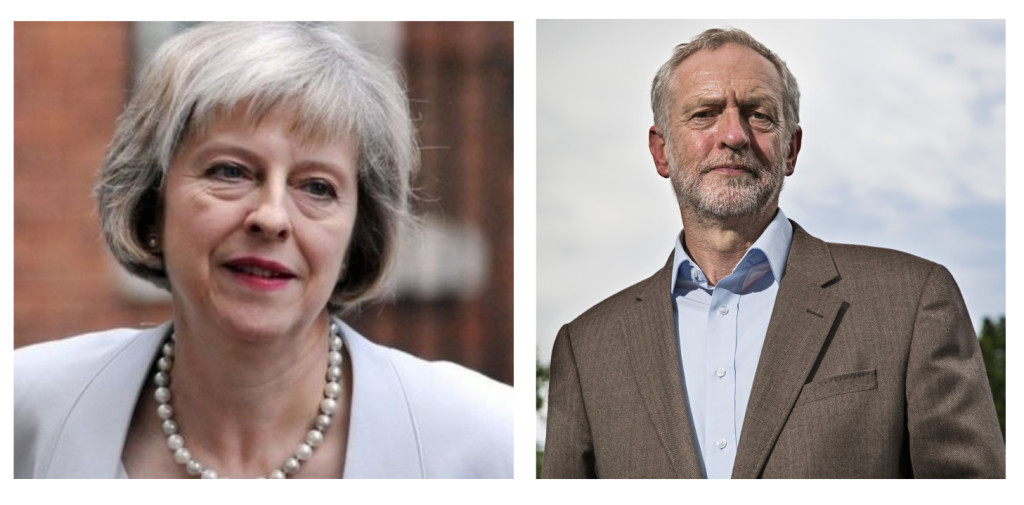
(697,102)
(760,99)
(755,100)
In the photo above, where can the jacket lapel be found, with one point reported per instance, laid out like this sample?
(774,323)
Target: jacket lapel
(92,438)
(802,319)
(382,439)
(654,355)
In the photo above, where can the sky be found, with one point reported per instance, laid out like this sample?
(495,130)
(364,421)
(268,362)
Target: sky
(903,148)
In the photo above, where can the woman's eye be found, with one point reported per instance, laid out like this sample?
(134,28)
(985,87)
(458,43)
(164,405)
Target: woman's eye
(226,171)
(320,189)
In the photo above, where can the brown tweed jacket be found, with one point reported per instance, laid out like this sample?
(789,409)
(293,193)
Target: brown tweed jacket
(870,369)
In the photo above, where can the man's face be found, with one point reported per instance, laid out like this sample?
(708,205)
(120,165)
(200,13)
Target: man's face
(727,150)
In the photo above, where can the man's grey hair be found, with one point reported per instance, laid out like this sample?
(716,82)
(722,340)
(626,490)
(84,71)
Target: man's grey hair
(663,86)
(334,90)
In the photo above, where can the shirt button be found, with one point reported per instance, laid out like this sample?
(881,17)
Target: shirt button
(720,443)
(723,310)
(720,372)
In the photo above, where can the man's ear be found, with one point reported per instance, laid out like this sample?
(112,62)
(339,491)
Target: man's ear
(656,142)
(794,150)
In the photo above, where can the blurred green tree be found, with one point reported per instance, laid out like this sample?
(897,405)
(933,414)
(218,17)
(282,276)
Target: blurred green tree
(992,340)
(543,375)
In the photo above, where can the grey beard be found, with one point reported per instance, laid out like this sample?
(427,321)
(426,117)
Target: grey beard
(729,198)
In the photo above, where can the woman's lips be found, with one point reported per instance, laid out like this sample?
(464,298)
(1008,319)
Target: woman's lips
(259,273)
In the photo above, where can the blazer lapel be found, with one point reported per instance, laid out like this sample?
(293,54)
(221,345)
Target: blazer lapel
(802,319)
(382,439)
(653,351)
(92,438)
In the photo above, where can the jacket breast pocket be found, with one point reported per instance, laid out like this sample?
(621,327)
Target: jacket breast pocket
(837,385)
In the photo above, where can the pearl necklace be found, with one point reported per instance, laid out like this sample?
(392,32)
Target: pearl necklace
(302,453)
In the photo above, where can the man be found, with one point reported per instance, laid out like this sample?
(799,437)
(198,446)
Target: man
(759,350)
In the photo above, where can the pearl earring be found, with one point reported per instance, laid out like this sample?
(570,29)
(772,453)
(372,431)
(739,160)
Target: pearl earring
(153,243)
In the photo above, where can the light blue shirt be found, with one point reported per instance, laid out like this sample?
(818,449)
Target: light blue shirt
(721,331)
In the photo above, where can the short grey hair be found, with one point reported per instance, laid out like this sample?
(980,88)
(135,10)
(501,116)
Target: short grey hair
(336,91)
(662,87)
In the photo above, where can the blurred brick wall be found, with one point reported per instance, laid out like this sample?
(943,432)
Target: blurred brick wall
(460,85)
(71,81)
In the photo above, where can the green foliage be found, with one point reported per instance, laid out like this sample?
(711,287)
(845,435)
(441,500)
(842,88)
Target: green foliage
(993,349)
(543,376)
(540,459)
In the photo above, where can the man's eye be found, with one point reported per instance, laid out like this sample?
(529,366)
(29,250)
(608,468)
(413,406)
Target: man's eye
(760,117)
(226,171)
(320,189)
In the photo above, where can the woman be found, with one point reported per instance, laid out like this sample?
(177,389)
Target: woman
(260,174)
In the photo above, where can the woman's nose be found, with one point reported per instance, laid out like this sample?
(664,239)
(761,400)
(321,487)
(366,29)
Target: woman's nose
(270,219)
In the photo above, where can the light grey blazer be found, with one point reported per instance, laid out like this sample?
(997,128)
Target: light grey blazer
(74,399)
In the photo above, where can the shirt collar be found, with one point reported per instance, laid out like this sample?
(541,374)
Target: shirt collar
(773,245)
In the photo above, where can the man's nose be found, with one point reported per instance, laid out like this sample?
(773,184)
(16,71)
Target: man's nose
(269,219)
(733,131)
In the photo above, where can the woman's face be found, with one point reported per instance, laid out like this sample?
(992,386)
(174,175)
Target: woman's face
(256,224)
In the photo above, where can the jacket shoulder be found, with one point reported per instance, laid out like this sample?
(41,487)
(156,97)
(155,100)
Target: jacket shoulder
(624,302)
(58,366)
(872,253)
(880,263)
(49,378)
(463,418)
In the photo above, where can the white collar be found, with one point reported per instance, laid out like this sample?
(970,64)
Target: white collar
(774,242)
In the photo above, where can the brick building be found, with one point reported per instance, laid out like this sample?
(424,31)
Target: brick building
(453,293)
